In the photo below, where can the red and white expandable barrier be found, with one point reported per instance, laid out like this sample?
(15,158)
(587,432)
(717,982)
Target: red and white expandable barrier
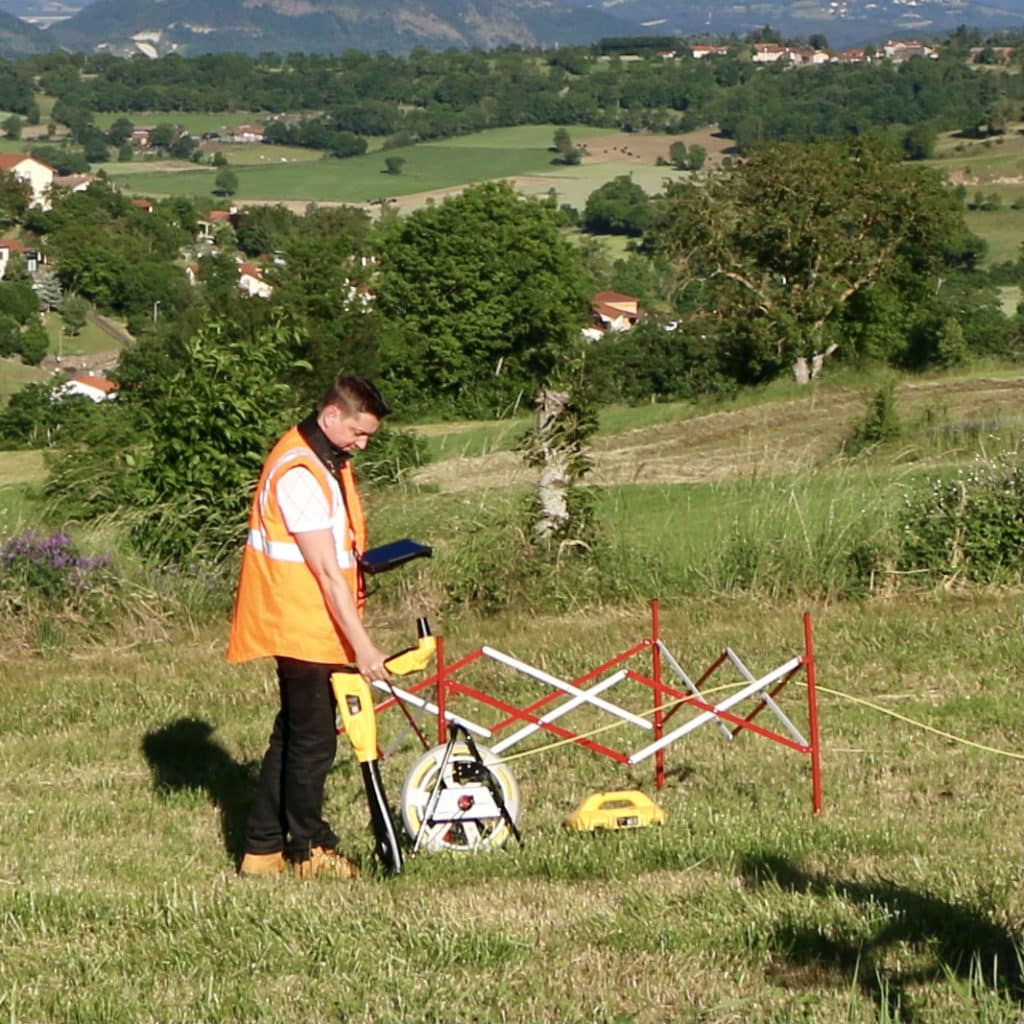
(593,689)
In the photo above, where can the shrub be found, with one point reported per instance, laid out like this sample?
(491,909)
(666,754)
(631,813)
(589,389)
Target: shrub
(970,528)
(48,570)
(881,422)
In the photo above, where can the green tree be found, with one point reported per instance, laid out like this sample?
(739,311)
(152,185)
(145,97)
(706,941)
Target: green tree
(10,335)
(73,311)
(211,428)
(619,207)
(15,195)
(12,127)
(394,164)
(679,156)
(226,182)
(48,289)
(774,252)
(919,141)
(567,153)
(483,293)
(952,345)
(18,300)
(34,343)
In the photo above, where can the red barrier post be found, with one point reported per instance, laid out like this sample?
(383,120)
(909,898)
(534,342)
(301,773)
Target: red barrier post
(659,693)
(812,714)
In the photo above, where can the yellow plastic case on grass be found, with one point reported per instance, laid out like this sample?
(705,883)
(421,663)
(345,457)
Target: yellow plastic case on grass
(619,808)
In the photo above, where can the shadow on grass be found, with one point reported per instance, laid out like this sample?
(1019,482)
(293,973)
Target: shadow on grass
(184,756)
(960,940)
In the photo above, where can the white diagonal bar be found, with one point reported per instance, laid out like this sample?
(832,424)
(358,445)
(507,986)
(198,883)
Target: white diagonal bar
(553,716)
(561,684)
(404,695)
(705,716)
(690,685)
(767,698)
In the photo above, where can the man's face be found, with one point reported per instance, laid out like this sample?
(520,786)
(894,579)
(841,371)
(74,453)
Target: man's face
(348,432)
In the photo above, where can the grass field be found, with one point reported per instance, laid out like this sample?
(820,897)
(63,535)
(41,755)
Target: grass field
(14,375)
(131,761)
(900,902)
(195,122)
(1001,229)
(498,153)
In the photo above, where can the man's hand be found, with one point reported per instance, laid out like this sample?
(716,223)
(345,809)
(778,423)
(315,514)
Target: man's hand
(370,663)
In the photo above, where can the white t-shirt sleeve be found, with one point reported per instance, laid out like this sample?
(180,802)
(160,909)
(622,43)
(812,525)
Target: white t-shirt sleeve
(302,500)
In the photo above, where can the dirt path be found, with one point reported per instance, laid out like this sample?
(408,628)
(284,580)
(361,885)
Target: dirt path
(765,440)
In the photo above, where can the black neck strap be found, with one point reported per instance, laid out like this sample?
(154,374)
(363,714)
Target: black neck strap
(333,458)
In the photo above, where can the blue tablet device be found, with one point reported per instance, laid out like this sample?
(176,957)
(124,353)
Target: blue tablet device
(390,556)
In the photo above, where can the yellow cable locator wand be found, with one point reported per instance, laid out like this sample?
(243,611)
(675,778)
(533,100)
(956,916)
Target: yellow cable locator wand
(359,720)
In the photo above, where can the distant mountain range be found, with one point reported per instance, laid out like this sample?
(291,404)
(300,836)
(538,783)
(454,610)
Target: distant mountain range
(156,27)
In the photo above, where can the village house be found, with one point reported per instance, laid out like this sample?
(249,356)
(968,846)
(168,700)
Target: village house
(35,173)
(245,133)
(898,51)
(207,226)
(73,182)
(853,56)
(8,246)
(89,385)
(808,57)
(999,54)
(701,50)
(768,53)
(250,280)
(611,311)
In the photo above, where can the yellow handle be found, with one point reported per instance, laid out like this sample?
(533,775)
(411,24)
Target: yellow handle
(355,701)
(412,659)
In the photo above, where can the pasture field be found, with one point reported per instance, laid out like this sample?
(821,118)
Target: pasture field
(984,160)
(130,759)
(195,122)
(130,767)
(14,375)
(446,164)
(1000,228)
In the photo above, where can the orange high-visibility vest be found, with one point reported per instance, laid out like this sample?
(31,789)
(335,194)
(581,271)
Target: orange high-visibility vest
(279,607)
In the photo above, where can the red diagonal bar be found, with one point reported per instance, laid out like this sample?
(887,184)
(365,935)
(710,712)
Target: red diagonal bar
(517,714)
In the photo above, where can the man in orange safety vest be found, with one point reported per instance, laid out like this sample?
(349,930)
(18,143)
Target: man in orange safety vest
(300,600)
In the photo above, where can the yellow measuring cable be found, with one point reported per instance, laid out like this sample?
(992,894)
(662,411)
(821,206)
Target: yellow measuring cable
(918,725)
(732,686)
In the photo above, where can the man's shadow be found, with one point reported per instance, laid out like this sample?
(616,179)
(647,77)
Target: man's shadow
(959,939)
(183,755)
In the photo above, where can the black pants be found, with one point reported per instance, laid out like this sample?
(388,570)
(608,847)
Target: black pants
(287,812)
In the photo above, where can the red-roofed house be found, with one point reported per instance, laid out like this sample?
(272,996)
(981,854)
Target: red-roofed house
(89,385)
(8,246)
(250,280)
(143,204)
(700,50)
(612,311)
(768,53)
(38,175)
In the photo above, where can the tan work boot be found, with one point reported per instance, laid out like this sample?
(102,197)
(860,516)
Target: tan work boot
(266,864)
(324,863)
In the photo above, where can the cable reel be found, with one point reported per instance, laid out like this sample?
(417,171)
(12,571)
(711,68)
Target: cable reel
(460,797)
